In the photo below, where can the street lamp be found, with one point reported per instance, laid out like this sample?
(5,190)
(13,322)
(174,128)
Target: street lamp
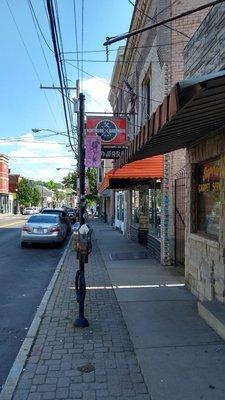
(37,130)
(59,168)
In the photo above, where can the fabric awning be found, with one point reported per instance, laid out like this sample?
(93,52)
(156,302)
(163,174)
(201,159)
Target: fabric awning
(142,171)
(193,109)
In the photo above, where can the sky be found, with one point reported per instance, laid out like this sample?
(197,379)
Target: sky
(27,62)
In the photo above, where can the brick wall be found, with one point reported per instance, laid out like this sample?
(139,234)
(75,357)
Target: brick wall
(175,161)
(205,52)
(159,51)
(4,176)
(205,259)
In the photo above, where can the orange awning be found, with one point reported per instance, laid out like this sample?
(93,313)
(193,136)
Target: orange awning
(137,172)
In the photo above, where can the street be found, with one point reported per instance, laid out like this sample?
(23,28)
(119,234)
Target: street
(24,277)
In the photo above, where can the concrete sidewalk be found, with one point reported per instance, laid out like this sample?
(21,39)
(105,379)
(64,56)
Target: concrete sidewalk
(145,340)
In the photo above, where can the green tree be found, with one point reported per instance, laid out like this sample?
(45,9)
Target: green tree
(24,193)
(91,174)
(70,180)
(36,197)
(51,185)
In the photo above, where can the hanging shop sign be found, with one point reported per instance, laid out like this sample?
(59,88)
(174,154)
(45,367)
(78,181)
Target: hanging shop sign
(111,130)
(111,152)
(92,151)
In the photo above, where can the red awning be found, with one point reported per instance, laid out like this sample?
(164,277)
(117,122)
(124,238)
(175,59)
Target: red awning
(137,172)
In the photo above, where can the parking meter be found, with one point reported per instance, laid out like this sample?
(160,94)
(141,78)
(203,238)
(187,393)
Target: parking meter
(84,244)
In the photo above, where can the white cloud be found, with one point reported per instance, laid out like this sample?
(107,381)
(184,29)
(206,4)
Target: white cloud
(26,157)
(24,151)
(96,90)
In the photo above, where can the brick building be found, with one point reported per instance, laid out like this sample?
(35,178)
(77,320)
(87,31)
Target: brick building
(4,183)
(145,71)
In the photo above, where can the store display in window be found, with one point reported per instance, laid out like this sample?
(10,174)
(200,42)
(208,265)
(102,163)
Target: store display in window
(208,197)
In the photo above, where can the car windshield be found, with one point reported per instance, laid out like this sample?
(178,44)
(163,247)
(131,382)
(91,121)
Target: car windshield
(48,219)
(70,210)
(28,208)
(52,211)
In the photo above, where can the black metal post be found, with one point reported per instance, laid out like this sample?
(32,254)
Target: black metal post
(81,321)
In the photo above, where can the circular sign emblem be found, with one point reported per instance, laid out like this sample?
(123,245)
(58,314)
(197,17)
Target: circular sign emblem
(107,130)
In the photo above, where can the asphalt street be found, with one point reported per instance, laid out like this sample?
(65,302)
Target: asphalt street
(24,276)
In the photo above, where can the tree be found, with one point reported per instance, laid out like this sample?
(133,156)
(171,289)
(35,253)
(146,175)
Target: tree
(91,174)
(70,180)
(24,193)
(51,185)
(36,197)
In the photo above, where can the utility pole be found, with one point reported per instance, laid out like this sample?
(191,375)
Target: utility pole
(80,284)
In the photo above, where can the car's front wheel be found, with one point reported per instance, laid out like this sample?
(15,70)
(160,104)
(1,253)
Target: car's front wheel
(23,244)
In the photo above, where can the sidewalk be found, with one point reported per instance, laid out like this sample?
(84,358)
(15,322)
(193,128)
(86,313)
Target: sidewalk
(145,340)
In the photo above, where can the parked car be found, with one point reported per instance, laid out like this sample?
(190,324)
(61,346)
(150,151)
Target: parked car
(44,228)
(72,214)
(59,211)
(28,211)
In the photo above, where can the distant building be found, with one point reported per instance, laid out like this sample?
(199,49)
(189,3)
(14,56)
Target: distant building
(47,196)
(13,205)
(4,183)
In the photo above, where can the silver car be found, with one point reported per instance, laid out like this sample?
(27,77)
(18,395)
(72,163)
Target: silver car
(44,228)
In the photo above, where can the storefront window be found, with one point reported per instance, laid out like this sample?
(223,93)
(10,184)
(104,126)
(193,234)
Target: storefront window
(120,207)
(208,197)
(135,207)
(154,212)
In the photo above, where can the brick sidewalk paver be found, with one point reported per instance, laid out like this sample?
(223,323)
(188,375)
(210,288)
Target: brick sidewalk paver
(94,363)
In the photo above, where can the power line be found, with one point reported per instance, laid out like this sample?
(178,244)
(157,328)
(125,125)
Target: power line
(30,58)
(56,46)
(62,156)
(76,36)
(82,42)
(155,19)
(29,141)
(128,48)
(108,84)
(65,79)
(117,38)
(123,61)
(37,26)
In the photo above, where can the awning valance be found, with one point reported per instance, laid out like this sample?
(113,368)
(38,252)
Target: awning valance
(193,109)
(142,171)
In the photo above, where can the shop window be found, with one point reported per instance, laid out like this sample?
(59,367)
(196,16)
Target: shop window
(155,211)
(120,207)
(135,207)
(146,94)
(207,197)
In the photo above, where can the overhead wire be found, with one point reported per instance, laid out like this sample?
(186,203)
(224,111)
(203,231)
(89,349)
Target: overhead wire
(16,140)
(107,83)
(56,45)
(155,19)
(114,39)
(129,48)
(37,27)
(65,79)
(76,36)
(122,61)
(30,59)
(82,43)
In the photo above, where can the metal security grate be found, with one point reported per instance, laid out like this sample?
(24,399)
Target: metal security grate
(140,255)
(179,223)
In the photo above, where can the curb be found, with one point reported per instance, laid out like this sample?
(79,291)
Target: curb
(21,358)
